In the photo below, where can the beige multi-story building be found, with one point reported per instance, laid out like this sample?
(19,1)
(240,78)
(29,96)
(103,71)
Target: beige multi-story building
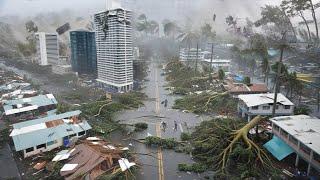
(47,48)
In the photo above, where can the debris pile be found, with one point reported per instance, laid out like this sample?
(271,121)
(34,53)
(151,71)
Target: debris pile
(94,157)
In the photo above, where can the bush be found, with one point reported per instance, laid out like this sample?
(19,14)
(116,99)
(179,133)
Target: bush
(302,110)
(169,143)
(140,126)
(185,136)
(196,167)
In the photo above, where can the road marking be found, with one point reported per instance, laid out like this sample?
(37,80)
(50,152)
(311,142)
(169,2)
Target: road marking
(181,127)
(158,129)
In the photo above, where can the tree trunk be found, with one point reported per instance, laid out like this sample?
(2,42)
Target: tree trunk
(277,84)
(196,66)
(315,20)
(211,58)
(307,26)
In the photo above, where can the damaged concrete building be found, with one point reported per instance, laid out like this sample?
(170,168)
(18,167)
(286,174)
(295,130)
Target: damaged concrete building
(45,134)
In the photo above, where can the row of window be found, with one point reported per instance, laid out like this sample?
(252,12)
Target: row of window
(268,107)
(50,143)
(295,141)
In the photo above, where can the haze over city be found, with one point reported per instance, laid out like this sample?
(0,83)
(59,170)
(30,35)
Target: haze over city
(159,89)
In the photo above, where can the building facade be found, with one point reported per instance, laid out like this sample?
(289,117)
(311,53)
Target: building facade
(45,134)
(47,48)
(191,55)
(251,105)
(113,30)
(301,134)
(83,52)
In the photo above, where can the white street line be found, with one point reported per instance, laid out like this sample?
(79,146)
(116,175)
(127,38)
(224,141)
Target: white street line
(181,129)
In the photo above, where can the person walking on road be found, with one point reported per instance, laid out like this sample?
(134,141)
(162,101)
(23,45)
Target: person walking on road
(164,125)
(175,126)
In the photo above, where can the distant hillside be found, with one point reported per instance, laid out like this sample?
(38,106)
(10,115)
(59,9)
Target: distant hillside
(7,40)
(13,30)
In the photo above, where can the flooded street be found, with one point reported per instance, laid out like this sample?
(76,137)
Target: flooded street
(160,163)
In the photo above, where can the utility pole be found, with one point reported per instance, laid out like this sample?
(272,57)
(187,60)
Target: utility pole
(196,68)
(211,58)
(278,75)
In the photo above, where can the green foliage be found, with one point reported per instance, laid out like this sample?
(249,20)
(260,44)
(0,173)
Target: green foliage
(195,167)
(224,103)
(210,138)
(221,74)
(169,143)
(140,127)
(185,136)
(182,80)
(132,99)
(62,108)
(302,110)
(247,80)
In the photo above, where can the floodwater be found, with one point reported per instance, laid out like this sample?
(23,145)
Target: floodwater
(150,166)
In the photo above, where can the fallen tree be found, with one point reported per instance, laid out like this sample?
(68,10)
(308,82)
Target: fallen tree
(221,103)
(223,145)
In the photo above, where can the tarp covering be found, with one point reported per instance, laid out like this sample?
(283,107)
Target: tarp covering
(278,148)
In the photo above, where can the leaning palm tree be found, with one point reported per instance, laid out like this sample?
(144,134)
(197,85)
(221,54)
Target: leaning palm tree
(189,38)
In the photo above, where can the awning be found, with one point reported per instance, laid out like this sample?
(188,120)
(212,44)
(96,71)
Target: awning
(278,148)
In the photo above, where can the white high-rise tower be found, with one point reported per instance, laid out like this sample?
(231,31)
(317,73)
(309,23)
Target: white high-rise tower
(113,30)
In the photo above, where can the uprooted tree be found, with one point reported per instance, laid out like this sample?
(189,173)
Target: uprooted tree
(224,146)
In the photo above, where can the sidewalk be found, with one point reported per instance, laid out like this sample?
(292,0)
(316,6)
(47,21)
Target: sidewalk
(9,169)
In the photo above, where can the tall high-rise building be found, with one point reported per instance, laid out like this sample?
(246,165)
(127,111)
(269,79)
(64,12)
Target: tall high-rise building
(83,52)
(113,30)
(47,48)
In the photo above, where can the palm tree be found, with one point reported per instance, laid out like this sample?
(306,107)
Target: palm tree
(189,38)
(169,28)
(265,67)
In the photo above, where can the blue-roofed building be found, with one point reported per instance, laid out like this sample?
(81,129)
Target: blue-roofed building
(297,134)
(44,134)
(41,103)
(83,52)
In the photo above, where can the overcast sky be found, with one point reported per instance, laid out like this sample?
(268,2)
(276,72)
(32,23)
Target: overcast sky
(31,7)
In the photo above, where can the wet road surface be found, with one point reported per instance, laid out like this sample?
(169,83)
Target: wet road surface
(160,163)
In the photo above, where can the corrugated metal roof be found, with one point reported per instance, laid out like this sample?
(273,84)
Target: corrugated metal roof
(41,136)
(304,128)
(41,100)
(46,119)
(260,99)
(24,141)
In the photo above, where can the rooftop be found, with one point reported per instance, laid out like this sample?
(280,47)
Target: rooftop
(243,88)
(28,104)
(266,98)
(39,131)
(304,128)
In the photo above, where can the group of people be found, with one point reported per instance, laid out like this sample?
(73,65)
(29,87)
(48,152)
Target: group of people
(164,125)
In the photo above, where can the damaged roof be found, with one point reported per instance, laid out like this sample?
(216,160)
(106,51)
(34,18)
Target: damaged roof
(28,104)
(89,155)
(261,99)
(39,131)
(304,128)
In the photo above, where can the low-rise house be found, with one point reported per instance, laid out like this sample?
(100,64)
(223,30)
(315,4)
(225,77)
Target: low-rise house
(18,94)
(241,88)
(251,105)
(191,55)
(44,134)
(93,158)
(298,134)
(41,103)
(217,64)
(14,85)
